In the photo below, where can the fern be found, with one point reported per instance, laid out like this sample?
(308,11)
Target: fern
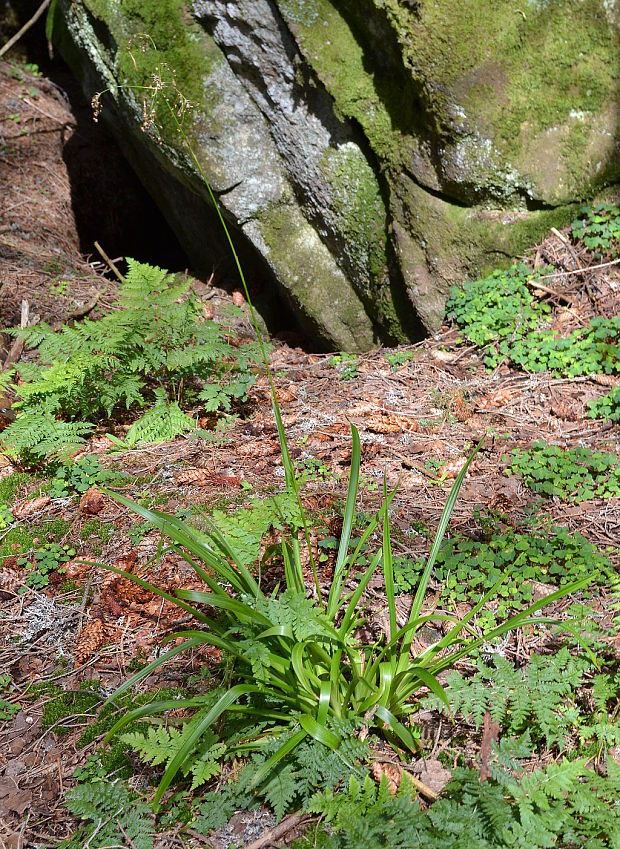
(39,434)
(161,423)
(6,378)
(159,745)
(154,347)
(281,789)
(565,805)
(246,528)
(114,817)
(533,697)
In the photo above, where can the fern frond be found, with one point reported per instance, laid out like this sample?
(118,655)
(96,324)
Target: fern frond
(37,434)
(115,816)
(6,381)
(161,423)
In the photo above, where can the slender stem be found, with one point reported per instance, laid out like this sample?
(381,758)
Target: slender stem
(285,450)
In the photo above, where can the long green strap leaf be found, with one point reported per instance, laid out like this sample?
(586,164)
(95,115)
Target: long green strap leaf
(292,742)
(347,525)
(388,569)
(189,745)
(398,728)
(432,557)
(154,664)
(150,710)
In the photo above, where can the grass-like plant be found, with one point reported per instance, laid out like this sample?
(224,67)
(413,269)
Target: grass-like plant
(300,657)
(299,660)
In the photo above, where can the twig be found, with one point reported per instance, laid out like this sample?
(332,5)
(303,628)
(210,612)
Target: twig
(25,27)
(422,788)
(540,286)
(15,351)
(79,312)
(109,262)
(580,270)
(14,205)
(287,824)
(89,306)
(34,106)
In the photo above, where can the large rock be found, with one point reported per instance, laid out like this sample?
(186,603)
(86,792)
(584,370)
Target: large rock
(366,153)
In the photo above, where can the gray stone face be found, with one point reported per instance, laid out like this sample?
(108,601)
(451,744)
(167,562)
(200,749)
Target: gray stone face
(366,154)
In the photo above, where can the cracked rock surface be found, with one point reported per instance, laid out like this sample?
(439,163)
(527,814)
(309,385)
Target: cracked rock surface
(367,154)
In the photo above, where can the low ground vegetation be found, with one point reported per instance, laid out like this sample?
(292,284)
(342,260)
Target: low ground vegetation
(347,657)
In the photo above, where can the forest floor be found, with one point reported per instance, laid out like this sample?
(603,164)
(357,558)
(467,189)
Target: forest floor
(419,410)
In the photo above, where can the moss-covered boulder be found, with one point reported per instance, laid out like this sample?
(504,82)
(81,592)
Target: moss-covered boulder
(366,153)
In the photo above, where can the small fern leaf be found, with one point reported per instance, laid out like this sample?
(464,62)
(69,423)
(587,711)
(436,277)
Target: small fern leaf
(207,766)
(280,790)
(161,423)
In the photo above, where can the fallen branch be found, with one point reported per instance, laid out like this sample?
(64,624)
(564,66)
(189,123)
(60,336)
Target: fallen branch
(580,270)
(542,288)
(15,351)
(278,831)
(25,28)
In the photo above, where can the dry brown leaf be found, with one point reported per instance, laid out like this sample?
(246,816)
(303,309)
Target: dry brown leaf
(390,423)
(204,477)
(443,356)
(124,592)
(287,393)
(92,636)
(92,502)
(9,581)
(126,563)
(339,429)
(460,409)
(98,445)
(433,775)
(75,569)
(565,409)
(28,508)
(501,398)
(392,773)
(237,298)
(208,312)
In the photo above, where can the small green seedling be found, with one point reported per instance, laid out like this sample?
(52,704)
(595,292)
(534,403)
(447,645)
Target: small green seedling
(598,227)
(47,559)
(346,364)
(607,407)
(399,358)
(500,315)
(6,517)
